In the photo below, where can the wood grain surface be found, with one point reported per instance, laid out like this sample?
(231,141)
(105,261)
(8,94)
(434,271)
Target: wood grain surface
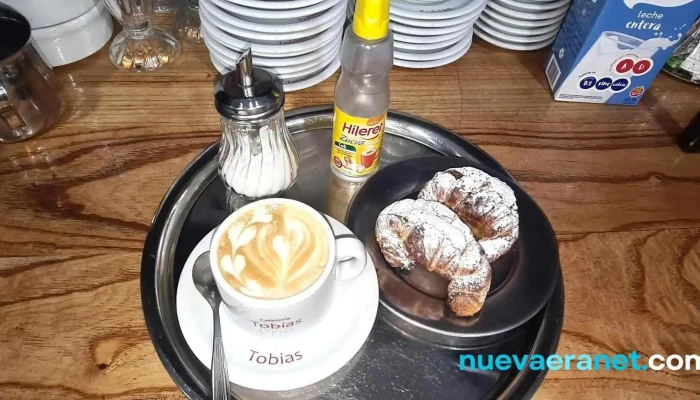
(76,202)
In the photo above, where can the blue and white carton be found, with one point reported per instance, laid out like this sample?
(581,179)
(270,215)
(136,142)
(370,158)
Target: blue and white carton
(609,51)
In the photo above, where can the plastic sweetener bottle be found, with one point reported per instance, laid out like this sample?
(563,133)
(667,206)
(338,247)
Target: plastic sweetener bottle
(362,92)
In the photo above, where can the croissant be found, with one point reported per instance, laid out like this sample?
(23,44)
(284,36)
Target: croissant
(482,201)
(423,233)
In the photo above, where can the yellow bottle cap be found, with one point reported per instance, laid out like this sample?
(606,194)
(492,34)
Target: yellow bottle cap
(371,21)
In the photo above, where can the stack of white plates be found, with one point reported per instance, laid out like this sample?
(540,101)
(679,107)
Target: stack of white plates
(299,40)
(521,24)
(430,33)
(66,30)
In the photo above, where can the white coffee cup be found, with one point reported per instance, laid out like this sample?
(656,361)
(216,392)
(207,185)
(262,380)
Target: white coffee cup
(282,317)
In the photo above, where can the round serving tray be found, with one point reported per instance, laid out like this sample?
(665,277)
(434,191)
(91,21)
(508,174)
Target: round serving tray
(392,363)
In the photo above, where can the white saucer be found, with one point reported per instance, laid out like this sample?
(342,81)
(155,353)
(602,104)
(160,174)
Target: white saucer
(276,13)
(423,47)
(307,69)
(286,25)
(435,10)
(429,39)
(410,30)
(288,78)
(323,350)
(517,31)
(298,62)
(533,7)
(294,84)
(512,46)
(209,11)
(271,51)
(291,78)
(433,63)
(528,15)
(520,23)
(275,5)
(437,23)
(514,38)
(291,81)
(435,55)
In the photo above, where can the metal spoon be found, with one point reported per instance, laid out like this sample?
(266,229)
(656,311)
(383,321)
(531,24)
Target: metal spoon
(204,282)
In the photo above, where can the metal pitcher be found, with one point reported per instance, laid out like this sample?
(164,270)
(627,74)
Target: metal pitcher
(30,99)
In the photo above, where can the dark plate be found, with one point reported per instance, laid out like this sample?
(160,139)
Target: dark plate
(522,282)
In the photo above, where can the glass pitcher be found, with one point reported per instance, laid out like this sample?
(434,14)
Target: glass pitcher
(30,99)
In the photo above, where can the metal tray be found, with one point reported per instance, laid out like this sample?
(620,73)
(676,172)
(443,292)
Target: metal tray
(392,364)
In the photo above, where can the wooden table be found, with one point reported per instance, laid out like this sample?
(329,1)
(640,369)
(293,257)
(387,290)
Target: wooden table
(76,202)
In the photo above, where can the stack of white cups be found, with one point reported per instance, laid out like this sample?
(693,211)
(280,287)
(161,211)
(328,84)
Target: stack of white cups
(66,30)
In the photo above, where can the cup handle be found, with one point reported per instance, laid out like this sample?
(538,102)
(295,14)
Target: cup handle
(351,257)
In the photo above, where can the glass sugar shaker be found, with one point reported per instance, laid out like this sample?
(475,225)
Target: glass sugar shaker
(257,156)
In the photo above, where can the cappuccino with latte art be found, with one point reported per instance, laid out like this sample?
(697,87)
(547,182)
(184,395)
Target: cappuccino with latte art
(276,263)
(273,251)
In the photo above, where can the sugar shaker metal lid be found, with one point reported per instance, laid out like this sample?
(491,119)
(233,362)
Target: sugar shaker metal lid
(248,93)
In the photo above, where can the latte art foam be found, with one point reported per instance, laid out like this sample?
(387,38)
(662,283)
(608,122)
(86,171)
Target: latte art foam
(273,252)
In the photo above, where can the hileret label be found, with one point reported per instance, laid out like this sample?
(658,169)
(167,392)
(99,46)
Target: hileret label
(357,143)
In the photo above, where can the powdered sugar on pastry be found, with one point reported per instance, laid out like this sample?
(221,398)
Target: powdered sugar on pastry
(483,202)
(465,293)
(427,233)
